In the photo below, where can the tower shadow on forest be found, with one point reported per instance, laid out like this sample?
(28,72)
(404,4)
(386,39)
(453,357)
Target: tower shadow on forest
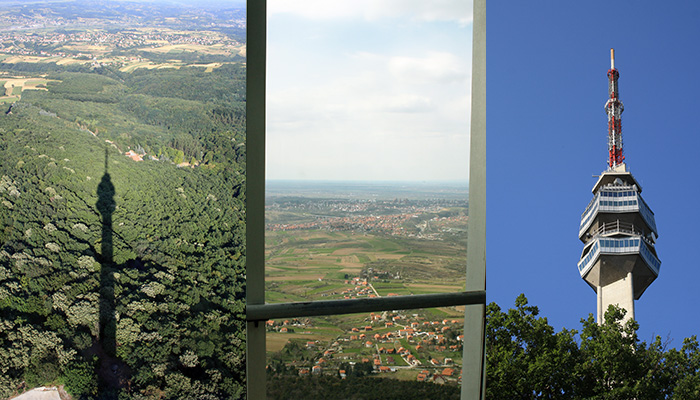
(109,365)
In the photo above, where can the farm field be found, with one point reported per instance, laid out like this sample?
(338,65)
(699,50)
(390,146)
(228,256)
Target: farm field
(11,88)
(321,249)
(318,264)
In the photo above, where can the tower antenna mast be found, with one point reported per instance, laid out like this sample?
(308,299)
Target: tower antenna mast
(614,109)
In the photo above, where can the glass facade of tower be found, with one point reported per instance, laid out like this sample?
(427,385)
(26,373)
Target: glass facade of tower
(617,199)
(619,233)
(611,247)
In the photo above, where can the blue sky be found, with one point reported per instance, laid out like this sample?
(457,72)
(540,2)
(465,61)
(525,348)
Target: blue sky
(368,89)
(546,136)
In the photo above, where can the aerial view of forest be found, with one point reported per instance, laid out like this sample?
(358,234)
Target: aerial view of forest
(122,200)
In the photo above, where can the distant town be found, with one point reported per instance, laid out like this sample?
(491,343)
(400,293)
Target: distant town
(400,217)
(32,44)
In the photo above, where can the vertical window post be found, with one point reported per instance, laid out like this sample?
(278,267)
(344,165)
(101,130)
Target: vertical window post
(474,357)
(256,48)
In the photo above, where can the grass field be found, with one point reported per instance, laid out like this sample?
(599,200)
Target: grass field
(87,48)
(317,263)
(192,48)
(403,375)
(8,99)
(12,87)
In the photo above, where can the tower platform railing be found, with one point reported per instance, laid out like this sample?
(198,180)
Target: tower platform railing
(618,226)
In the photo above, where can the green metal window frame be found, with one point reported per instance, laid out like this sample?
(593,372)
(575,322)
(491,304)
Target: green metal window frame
(474,297)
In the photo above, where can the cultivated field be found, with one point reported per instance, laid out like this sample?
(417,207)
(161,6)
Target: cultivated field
(320,265)
(12,87)
(319,262)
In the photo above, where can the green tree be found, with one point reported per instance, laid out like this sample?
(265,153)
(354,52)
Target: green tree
(80,379)
(527,359)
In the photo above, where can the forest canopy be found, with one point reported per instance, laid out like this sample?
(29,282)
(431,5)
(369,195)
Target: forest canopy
(123,276)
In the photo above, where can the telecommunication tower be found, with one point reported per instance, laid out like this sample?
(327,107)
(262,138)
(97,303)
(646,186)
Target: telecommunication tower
(617,228)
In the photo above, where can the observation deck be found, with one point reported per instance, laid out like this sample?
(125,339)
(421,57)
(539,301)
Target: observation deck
(619,232)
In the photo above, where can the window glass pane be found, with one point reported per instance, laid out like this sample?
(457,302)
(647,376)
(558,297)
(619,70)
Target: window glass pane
(367,157)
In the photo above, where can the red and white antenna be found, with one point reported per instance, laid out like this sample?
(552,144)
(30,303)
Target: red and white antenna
(614,108)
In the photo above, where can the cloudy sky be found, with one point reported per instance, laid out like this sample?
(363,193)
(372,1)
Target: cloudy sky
(368,89)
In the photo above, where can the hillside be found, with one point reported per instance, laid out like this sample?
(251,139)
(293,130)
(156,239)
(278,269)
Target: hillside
(124,275)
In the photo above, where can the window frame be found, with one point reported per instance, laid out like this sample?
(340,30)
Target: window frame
(474,297)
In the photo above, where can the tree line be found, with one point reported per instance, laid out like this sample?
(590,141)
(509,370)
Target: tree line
(527,359)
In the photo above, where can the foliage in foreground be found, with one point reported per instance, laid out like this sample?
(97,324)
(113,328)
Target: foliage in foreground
(527,359)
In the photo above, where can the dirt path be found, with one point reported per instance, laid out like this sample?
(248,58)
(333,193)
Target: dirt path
(40,393)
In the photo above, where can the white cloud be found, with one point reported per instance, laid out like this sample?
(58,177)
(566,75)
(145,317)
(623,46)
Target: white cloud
(372,10)
(434,68)
(404,117)
(380,101)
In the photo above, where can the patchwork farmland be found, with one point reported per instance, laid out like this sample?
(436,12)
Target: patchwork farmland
(320,248)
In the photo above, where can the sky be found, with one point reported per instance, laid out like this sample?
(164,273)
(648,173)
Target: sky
(547,136)
(368,90)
